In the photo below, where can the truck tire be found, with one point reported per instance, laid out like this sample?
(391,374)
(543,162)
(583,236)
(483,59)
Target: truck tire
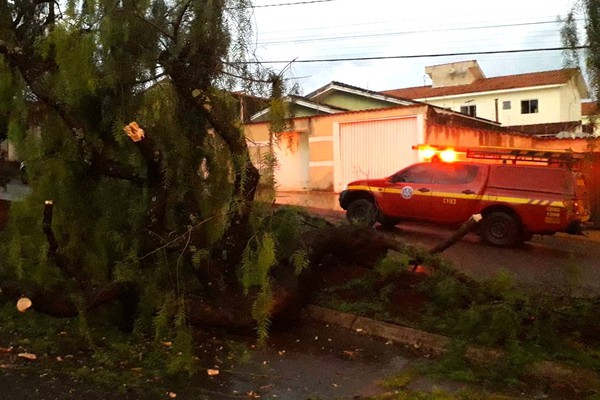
(500,229)
(362,212)
(388,222)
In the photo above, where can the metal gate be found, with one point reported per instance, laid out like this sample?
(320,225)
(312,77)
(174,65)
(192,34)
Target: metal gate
(376,149)
(292,154)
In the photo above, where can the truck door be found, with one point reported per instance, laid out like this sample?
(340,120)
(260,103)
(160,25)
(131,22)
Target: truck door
(408,192)
(456,191)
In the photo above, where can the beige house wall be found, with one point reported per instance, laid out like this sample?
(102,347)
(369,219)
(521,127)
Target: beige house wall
(570,104)
(321,177)
(321,151)
(461,137)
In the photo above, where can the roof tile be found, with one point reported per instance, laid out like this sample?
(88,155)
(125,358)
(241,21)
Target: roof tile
(589,108)
(560,76)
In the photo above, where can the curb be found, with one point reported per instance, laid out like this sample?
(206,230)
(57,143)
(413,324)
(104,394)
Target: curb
(436,344)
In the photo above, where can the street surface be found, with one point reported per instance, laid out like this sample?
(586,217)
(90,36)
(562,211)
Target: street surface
(565,264)
(562,263)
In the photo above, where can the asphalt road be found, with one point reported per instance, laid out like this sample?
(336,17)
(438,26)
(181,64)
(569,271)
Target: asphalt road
(562,263)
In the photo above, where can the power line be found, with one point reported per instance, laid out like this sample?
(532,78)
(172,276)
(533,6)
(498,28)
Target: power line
(379,23)
(297,3)
(470,53)
(317,38)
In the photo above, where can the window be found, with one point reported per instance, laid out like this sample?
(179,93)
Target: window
(420,173)
(506,105)
(529,106)
(455,174)
(469,110)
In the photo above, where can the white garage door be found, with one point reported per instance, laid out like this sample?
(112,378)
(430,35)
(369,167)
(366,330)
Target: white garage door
(376,149)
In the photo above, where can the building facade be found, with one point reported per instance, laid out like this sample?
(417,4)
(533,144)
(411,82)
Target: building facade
(526,102)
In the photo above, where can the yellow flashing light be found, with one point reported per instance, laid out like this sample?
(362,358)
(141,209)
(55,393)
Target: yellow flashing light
(448,155)
(435,153)
(428,153)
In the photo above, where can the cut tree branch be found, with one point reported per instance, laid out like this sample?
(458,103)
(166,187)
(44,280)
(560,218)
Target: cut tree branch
(53,255)
(47,227)
(465,228)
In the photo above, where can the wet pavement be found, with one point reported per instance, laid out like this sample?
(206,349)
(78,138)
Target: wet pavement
(314,361)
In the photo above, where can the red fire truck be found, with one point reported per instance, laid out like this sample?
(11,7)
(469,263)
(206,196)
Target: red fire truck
(519,193)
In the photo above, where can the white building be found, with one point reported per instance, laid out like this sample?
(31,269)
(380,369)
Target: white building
(538,103)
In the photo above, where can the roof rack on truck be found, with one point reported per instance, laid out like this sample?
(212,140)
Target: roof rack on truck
(514,155)
(506,155)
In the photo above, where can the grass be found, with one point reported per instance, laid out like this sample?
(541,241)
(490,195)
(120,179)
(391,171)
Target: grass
(529,326)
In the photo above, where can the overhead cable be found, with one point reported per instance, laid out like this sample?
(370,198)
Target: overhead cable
(362,36)
(297,3)
(469,53)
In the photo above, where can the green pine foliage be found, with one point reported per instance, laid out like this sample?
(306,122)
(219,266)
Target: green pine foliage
(393,264)
(77,76)
(182,357)
(258,259)
(261,313)
(275,244)
(300,260)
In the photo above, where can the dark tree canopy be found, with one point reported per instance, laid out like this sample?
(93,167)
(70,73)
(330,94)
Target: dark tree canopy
(168,215)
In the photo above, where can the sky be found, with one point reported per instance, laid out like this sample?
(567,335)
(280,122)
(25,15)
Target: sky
(331,29)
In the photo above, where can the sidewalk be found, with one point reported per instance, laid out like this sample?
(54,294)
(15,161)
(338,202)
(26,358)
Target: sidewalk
(553,372)
(317,200)
(324,204)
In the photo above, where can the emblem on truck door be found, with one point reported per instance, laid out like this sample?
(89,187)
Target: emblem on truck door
(407,192)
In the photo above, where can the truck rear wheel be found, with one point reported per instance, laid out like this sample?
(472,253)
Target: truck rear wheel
(362,212)
(500,229)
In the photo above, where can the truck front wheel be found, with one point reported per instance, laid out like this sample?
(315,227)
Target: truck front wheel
(362,212)
(500,229)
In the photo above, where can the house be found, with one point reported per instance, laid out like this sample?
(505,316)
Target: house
(537,103)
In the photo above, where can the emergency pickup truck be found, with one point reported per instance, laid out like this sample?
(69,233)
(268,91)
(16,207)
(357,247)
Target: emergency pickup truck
(516,201)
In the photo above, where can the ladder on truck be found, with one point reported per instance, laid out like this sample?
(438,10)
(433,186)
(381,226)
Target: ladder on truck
(513,155)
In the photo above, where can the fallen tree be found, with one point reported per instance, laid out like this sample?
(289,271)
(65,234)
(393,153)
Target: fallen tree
(231,309)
